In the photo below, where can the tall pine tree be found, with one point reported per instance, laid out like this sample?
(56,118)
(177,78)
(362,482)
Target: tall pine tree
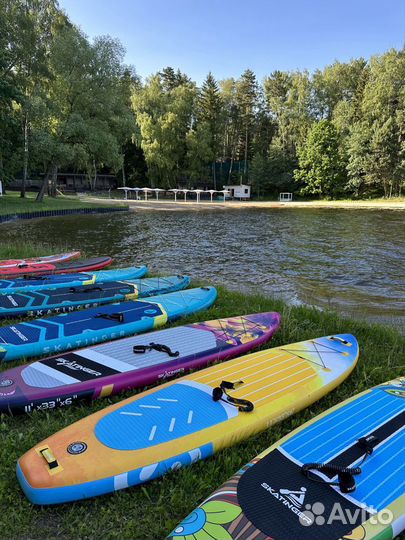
(247,93)
(209,107)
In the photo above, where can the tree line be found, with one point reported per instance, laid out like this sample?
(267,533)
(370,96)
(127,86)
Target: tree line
(70,103)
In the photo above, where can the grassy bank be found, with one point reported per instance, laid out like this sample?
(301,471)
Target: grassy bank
(13,204)
(152,510)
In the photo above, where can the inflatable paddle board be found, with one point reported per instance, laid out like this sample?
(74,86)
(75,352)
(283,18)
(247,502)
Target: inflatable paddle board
(132,362)
(67,299)
(183,421)
(38,269)
(37,283)
(340,476)
(40,260)
(89,326)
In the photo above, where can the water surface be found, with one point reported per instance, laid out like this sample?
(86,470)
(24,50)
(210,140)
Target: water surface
(352,261)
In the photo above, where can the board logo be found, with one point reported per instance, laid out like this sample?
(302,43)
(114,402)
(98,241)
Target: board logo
(77,448)
(296,497)
(75,366)
(292,500)
(18,333)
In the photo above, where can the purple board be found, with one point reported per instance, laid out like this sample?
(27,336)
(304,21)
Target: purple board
(113,367)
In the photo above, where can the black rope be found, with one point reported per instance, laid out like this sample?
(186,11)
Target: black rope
(346,480)
(243,405)
(227,335)
(141,349)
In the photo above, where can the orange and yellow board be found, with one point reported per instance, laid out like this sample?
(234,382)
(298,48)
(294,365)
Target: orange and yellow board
(178,423)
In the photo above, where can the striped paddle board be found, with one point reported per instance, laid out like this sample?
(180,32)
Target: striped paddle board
(67,299)
(37,283)
(271,497)
(65,267)
(90,326)
(113,367)
(183,421)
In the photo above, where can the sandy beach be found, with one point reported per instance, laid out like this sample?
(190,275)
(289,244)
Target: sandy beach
(170,205)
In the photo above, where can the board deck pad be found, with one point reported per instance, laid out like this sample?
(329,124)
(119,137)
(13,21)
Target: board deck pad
(39,269)
(90,326)
(113,367)
(37,283)
(67,299)
(271,498)
(39,260)
(179,422)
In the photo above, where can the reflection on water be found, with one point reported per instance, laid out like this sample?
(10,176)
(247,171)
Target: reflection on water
(349,260)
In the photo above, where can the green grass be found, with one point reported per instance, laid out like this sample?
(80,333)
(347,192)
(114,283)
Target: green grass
(13,204)
(152,510)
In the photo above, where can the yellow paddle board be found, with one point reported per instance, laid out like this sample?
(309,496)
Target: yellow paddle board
(183,421)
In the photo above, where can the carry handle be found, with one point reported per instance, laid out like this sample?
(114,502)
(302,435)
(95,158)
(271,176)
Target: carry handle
(141,349)
(119,317)
(49,457)
(84,289)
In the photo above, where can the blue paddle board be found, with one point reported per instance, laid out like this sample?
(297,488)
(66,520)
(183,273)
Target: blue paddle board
(37,283)
(68,299)
(340,476)
(89,326)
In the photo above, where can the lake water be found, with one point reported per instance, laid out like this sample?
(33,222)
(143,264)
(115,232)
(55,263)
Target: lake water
(352,261)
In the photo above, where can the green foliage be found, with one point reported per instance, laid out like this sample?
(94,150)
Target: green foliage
(377,139)
(163,114)
(336,84)
(200,150)
(321,170)
(247,103)
(204,137)
(66,101)
(280,168)
(288,97)
(259,173)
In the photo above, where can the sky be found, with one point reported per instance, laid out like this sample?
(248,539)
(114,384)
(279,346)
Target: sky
(228,36)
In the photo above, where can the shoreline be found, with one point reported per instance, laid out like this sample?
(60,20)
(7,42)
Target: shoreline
(6,218)
(13,207)
(170,205)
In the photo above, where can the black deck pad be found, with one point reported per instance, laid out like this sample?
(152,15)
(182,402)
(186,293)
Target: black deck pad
(78,367)
(278,499)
